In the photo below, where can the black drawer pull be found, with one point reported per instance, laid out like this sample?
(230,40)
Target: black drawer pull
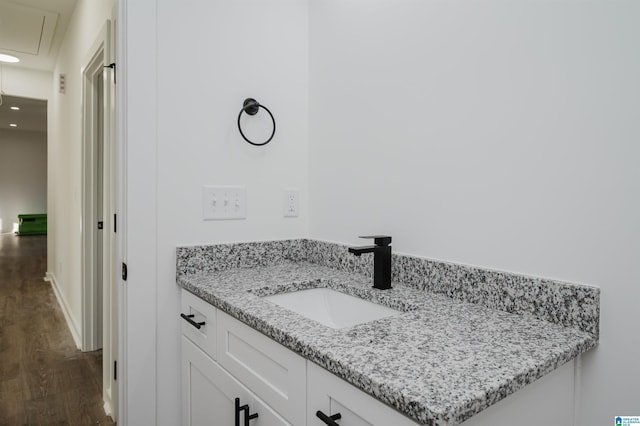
(187,318)
(328,420)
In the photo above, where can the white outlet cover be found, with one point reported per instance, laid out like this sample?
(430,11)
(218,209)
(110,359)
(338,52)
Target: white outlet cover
(224,202)
(291,203)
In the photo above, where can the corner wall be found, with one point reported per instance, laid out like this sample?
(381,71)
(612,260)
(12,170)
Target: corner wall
(502,134)
(65,156)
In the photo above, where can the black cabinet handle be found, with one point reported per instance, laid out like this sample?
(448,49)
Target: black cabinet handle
(247,417)
(187,318)
(328,420)
(238,409)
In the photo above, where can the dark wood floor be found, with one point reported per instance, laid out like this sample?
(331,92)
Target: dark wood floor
(44,379)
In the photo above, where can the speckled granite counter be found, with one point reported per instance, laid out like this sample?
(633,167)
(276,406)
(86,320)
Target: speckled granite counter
(439,362)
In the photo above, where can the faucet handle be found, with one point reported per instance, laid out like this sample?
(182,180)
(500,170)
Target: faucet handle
(379,240)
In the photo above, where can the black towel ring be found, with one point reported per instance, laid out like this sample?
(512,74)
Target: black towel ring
(251,107)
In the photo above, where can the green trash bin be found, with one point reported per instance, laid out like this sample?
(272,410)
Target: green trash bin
(32,224)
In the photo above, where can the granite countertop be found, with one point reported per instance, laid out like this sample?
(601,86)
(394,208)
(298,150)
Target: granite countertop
(439,362)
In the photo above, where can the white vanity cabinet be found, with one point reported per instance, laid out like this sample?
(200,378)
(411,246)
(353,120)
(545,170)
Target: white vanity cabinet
(225,359)
(231,372)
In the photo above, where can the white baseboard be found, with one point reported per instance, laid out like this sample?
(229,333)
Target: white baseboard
(71,323)
(108,404)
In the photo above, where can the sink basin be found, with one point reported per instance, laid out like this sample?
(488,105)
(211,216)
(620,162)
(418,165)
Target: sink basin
(331,308)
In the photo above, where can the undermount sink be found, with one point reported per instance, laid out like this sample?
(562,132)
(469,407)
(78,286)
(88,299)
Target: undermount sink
(331,308)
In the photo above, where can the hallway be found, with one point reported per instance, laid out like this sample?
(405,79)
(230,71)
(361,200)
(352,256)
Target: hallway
(44,379)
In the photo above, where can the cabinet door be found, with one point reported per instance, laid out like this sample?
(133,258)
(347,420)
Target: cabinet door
(272,372)
(539,403)
(547,401)
(332,395)
(209,393)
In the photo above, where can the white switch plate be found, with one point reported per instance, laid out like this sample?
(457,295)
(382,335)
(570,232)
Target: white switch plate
(291,205)
(224,202)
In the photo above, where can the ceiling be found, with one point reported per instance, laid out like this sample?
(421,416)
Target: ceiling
(31,117)
(33,30)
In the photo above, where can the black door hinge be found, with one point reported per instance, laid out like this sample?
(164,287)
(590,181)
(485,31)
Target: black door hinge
(115,222)
(100,225)
(124,271)
(115,370)
(113,67)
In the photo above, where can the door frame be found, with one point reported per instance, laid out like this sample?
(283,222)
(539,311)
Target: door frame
(93,68)
(98,121)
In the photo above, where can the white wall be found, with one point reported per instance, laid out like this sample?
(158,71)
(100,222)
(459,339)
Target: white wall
(26,83)
(496,133)
(65,152)
(211,55)
(23,175)
(136,99)
(502,134)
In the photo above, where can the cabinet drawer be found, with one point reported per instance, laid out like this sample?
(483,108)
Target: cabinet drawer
(332,395)
(202,312)
(274,373)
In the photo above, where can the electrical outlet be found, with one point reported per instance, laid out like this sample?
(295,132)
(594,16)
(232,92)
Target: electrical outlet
(291,203)
(224,202)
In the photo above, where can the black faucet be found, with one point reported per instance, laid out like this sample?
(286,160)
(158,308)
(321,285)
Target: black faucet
(381,260)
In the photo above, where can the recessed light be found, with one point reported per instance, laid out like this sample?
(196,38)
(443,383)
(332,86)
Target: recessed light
(15,108)
(13,125)
(8,58)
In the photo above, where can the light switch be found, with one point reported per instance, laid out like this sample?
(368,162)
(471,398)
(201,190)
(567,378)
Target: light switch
(224,202)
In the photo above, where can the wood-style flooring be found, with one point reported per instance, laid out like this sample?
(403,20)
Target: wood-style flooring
(44,378)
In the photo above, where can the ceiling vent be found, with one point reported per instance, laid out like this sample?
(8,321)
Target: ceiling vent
(26,30)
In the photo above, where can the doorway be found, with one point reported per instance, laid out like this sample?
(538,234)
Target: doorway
(99,286)
(23,164)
